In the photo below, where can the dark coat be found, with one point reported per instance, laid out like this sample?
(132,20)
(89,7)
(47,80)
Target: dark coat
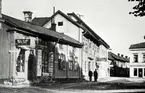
(95,74)
(90,73)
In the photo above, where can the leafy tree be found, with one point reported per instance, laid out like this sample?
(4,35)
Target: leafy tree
(139,9)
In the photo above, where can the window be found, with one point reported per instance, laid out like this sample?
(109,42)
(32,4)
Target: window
(90,44)
(45,56)
(21,61)
(89,66)
(70,65)
(144,71)
(135,71)
(135,58)
(76,65)
(62,62)
(143,57)
(60,23)
(61,46)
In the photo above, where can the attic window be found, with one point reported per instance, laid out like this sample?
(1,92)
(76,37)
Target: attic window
(60,23)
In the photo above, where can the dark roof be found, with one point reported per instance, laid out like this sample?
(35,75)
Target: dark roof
(90,30)
(41,20)
(41,31)
(79,24)
(136,46)
(112,56)
(46,19)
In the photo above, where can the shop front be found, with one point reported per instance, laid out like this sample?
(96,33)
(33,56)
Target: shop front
(31,58)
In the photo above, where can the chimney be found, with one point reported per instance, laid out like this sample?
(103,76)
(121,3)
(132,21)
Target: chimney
(126,56)
(122,55)
(53,25)
(28,16)
(118,54)
(0,8)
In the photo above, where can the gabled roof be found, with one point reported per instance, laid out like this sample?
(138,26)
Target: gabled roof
(137,46)
(90,30)
(45,20)
(40,31)
(40,20)
(112,56)
(79,23)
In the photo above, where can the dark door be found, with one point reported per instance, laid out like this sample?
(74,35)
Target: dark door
(30,65)
(140,74)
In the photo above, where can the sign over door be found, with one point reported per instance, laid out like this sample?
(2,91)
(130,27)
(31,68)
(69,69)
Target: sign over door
(22,41)
(51,63)
(39,62)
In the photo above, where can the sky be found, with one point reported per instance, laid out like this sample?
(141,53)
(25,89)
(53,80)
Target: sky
(110,19)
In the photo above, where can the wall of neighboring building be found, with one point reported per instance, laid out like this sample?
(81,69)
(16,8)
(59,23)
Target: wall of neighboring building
(66,27)
(90,54)
(103,63)
(5,64)
(137,69)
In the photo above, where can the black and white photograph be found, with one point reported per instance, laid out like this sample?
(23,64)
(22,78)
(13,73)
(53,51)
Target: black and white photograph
(72,46)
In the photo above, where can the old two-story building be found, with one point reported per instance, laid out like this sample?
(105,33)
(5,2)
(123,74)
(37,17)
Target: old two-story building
(92,56)
(27,51)
(119,65)
(137,60)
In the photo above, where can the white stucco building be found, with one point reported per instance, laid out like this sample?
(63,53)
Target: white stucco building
(95,51)
(137,60)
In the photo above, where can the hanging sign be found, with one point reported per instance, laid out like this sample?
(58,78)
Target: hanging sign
(22,41)
(39,62)
(51,63)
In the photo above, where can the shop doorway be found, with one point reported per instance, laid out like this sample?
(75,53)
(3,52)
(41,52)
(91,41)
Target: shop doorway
(31,65)
(140,72)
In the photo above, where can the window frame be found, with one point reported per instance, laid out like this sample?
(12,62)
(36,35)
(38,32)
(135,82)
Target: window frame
(135,73)
(60,23)
(134,59)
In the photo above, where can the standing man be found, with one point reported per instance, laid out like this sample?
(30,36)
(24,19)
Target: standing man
(90,75)
(95,75)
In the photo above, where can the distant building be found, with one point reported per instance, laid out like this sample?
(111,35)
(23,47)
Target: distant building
(119,65)
(92,56)
(137,60)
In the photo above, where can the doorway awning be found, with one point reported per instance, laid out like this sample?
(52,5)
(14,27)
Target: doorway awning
(42,32)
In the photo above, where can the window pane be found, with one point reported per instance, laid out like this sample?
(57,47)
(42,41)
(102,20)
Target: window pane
(135,58)
(20,61)
(135,71)
(143,57)
(60,23)
(144,71)
(62,62)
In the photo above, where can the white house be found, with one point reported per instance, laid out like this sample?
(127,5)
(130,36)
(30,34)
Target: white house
(95,51)
(137,60)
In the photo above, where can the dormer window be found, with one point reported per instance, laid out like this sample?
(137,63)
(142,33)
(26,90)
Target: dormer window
(135,57)
(60,23)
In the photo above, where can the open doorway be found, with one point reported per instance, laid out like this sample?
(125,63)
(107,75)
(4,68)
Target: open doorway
(31,67)
(140,72)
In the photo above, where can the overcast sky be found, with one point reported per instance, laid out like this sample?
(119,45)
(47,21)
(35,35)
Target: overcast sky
(110,19)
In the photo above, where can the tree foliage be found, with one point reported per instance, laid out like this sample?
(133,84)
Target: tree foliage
(139,9)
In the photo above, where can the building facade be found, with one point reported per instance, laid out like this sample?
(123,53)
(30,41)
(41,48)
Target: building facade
(137,60)
(27,51)
(119,65)
(90,57)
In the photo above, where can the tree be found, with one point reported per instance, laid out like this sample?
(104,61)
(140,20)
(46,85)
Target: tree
(139,9)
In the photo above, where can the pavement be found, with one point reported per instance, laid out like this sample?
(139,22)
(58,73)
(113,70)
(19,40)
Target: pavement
(112,79)
(73,87)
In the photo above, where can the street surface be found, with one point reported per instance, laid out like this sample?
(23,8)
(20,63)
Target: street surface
(111,85)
